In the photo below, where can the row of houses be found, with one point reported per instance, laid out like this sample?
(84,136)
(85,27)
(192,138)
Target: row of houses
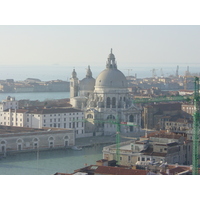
(105,167)
(156,148)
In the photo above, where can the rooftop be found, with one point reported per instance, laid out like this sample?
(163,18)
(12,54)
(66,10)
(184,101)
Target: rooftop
(37,110)
(163,134)
(6,131)
(108,170)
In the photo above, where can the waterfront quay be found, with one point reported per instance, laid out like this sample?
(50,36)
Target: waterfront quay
(106,139)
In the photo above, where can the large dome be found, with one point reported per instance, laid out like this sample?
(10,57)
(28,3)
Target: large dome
(111,77)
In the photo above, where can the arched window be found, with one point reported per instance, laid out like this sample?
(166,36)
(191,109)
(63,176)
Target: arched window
(66,137)
(110,117)
(19,140)
(131,119)
(108,102)
(3,142)
(19,144)
(51,142)
(35,143)
(66,141)
(89,116)
(114,102)
(3,146)
(35,139)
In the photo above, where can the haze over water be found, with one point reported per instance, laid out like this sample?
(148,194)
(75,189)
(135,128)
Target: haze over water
(54,72)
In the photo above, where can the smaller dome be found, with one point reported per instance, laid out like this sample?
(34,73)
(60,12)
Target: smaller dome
(87,84)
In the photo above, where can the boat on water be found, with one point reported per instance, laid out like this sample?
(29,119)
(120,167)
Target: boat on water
(76,148)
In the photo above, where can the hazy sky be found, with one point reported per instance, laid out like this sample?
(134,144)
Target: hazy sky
(83,45)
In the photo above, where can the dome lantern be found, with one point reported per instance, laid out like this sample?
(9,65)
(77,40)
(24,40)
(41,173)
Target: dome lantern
(111,64)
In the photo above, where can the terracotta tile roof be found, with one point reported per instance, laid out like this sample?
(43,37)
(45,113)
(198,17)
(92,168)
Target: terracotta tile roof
(106,170)
(166,106)
(59,173)
(164,134)
(159,154)
(178,169)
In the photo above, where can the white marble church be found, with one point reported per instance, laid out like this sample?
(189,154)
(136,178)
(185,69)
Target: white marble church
(104,100)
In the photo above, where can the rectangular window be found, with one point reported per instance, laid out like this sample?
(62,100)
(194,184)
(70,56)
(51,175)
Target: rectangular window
(64,125)
(129,158)
(143,159)
(70,125)
(44,120)
(64,119)
(50,120)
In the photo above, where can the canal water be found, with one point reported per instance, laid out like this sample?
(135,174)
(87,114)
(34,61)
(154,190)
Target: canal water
(50,162)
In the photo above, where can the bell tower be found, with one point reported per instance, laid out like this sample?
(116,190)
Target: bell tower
(74,83)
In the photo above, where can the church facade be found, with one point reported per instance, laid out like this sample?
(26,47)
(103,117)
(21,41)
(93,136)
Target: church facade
(105,101)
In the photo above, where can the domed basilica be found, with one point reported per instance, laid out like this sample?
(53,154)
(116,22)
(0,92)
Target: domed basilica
(105,100)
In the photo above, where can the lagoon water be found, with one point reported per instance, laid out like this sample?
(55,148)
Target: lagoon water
(49,162)
(40,96)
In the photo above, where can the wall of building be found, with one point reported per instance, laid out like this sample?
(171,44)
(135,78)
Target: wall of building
(36,141)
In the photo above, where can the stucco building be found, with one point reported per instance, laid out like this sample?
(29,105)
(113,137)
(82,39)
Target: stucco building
(66,118)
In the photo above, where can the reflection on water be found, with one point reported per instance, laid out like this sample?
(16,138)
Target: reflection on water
(49,162)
